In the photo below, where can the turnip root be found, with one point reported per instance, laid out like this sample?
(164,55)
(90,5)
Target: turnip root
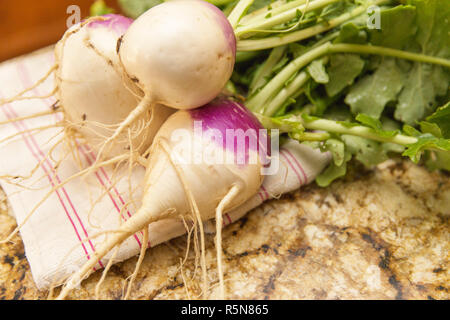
(179,53)
(180,181)
(92,91)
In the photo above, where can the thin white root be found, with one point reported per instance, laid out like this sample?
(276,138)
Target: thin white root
(188,244)
(142,161)
(184,280)
(137,222)
(108,265)
(219,223)
(29,130)
(37,166)
(130,165)
(194,208)
(56,187)
(143,106)
(40,81)
(92,237)
(104,273)
(35,115)
(139,262)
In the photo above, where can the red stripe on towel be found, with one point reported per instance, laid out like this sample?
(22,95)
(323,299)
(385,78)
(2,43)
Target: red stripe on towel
(90,158)
(10,115)
(297,163)
(26,82)
(293,168)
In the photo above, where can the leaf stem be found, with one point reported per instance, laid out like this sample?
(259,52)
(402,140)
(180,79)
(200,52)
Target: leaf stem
(275,41)
(294,123)
(290,91)
(257,102)
(239,10)
(274,8)
(270,89)
(219,2)
(266,68)
(383,51)
(286,13)
(360,131)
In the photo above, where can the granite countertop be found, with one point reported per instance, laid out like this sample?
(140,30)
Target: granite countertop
(378,234)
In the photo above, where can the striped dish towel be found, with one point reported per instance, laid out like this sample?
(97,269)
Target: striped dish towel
(65,229)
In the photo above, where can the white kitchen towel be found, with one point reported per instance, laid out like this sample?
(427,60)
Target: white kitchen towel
(59,236)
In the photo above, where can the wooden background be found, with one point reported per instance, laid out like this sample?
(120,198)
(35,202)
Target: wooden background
(27,25)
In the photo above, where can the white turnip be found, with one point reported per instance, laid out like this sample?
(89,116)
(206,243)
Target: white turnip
(92,91)
(178,184)
(179,53)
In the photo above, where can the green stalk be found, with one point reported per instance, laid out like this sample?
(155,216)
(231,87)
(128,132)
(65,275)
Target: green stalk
(310,136)
(266,69)
(383,51)
(219,2)
(277,82)
(262,12)
(360,131)
(239,10)
(242,56)
(257,102)
(296,122)
(290,91)
(275,41)
(283,16)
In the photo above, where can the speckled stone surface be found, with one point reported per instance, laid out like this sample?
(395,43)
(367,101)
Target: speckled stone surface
(378,234)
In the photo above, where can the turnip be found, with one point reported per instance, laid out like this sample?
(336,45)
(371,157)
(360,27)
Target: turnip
(179,53)
(92,91)
(178,184)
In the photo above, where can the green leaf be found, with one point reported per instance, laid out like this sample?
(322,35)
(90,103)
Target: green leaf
(433,26)
(337,150)
(352,33)
(433,128)
(369,121)
(376,125)
(257,4)
(411,131)
(418,96)
(371,93)
(335,9)
(366,151)
(333,172)
(316,70)
(317,99)
(309,118)
(426,82)
(426,141)
(99,8)
(392,147)
(441,118)
(343,70)
(397,27)
(134,8)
